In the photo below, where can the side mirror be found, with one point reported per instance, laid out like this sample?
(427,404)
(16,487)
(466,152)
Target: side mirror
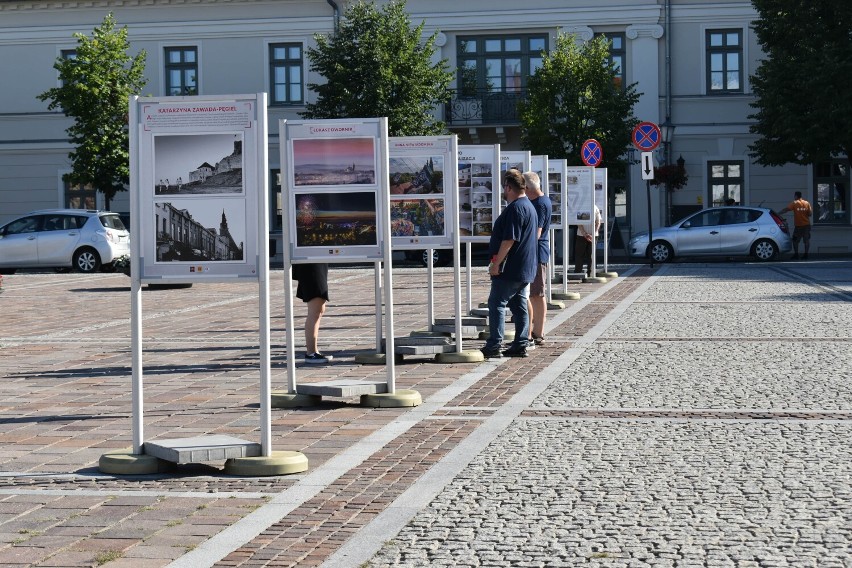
(686,225)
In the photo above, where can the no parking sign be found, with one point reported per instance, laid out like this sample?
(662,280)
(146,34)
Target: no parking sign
(591,153)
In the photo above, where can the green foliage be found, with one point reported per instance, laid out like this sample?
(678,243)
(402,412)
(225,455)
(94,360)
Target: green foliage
(572,97)
(803,87)
(377,66)
(95,92)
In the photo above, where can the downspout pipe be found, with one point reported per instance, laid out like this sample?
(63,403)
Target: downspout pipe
(668,100)
(336,9)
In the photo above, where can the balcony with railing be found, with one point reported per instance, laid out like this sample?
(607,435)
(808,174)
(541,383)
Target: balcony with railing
(484,107)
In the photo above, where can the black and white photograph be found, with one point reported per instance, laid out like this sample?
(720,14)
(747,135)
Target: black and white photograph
(464,174)
(554,191)
(198,164)
(465,224)
(416,175)
(481,199)
(334,161)
(194,230)
(417,217)
(336,219)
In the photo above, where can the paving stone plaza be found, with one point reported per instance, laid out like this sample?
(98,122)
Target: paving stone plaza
(690,414)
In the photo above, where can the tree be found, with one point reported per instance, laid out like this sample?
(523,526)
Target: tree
(574,96)
(375,66)
(96,85)
(803,87)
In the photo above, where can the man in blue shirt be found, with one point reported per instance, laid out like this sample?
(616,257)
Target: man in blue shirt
(514,257)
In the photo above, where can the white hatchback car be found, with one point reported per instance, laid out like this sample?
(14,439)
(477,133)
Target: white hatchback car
(718,231)
(63,238)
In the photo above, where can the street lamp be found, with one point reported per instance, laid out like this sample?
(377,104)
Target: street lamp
(667,130)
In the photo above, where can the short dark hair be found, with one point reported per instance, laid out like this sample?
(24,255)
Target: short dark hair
(515,179)
(798,195)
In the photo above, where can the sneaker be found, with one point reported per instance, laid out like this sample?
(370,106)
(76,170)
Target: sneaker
(515,351)
(493,353)
(537,339)
(317,358)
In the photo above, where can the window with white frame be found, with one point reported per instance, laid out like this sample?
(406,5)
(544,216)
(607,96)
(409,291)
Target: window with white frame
(831,192)
(181,70)
(80,197)
(724,61)
(285,74)
(498,63)
(617,55)
(726,182)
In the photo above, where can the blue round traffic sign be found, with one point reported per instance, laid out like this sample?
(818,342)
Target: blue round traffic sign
(646,136)
(591,152)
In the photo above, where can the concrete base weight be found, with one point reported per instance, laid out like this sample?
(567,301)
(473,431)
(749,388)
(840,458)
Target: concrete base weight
(279,463)
(594,280)
(375,358)
(399,399)
(463,357)
(124,462)
(609,274)
(283,399)
(566,295)
(555,305)
(508,335)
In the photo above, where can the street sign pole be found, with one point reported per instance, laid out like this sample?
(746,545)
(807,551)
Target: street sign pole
(650,229)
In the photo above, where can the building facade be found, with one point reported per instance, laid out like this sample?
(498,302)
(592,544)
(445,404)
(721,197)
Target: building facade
(691,59)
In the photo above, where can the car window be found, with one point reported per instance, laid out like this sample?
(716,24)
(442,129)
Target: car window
(707,218)
(25,225)
(738,216)
(112,222)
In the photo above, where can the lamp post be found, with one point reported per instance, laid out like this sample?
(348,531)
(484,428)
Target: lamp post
(667,130)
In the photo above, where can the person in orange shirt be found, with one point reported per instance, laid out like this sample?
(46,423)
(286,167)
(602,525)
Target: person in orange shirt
(802,223)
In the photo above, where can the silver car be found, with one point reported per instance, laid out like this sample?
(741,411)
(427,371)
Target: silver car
(63,238)
(719,231)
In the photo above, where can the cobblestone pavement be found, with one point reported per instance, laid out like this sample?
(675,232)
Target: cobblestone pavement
(691,415)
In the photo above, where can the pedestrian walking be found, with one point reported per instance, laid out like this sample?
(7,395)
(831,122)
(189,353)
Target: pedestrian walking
(513,265)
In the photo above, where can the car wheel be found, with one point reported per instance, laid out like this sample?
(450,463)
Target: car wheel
(764,249)
(87,260)
(440,257)
(660,251)
(8,271)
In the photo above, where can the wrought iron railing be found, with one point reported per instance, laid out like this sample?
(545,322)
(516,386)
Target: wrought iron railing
(483,107)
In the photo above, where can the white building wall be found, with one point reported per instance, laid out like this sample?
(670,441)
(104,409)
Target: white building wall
(233,38)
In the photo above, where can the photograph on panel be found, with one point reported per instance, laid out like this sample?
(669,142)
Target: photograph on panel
(334,161)
(196,230)
(417,217)
(416,175)
(336,219)
(555,193)
(198,164)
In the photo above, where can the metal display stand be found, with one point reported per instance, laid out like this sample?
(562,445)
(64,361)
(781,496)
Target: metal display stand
(484,160)
(337,209)
(172,244)
(424,212)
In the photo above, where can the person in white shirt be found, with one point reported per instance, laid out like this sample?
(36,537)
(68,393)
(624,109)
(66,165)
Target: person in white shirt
(583,244)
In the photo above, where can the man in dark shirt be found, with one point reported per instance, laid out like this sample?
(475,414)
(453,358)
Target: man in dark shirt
(514,257)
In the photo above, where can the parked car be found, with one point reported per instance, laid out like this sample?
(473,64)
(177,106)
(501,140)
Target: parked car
(718,231)
(63,238)
(444,257)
